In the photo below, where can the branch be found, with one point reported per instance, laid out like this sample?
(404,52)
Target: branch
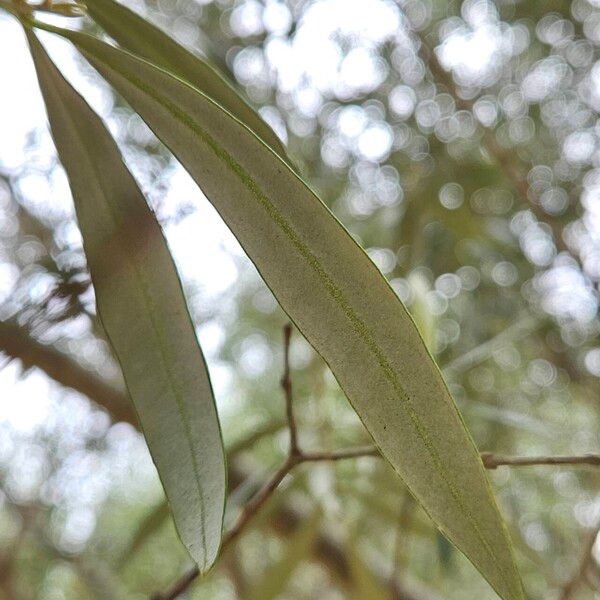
(286,384)
(18,343)
(249,510)
(520,329)
(325,455)
(258,500)
(247,442)
(492,461)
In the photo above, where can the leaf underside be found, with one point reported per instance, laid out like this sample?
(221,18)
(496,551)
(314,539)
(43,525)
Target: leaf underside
(336,297)
(142,308)
(143,39)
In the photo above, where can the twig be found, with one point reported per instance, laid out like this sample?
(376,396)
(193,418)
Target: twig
(245,516)
(492,461)
(258,500)
(286,384)
(179,586)
(325,455)
(586,559)
(17,343)
(259,433)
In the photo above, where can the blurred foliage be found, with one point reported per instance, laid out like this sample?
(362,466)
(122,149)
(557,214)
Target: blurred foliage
(477,195)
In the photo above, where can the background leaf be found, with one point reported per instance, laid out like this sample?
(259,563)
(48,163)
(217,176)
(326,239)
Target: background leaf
(143,310)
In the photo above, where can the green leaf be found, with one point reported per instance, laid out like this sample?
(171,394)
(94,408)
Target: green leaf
(337,298)
(158,514)
(142,308)
(140,37)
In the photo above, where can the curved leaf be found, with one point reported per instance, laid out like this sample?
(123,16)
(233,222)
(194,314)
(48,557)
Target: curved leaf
(337,298)
(140,37)
(143,310)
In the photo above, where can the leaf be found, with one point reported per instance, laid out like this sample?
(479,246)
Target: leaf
(140,37)
(277,575)
(158,514)
(142,308)
(337,298)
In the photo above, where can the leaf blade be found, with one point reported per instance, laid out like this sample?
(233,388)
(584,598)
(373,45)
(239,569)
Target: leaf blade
(142,38)
(350,315)
(142,308)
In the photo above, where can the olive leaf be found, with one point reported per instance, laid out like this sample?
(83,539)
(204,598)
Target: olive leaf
(142,308)
(337,298)
(140,37)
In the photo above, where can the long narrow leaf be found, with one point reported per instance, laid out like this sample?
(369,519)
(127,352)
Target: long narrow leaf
(140,37)
(337,298)
(142,307)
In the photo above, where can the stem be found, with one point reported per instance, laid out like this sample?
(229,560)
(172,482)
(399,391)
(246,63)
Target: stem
(179,586)
(258,500)
(325,455)
(286,384)
(492,461)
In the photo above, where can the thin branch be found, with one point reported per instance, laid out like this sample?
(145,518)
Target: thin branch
(587,558)
(251,508)
(492,461)
(18,343)
(258,434)
(286,384)
(325,455)
(259,499)
(179,586)
(286,519)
